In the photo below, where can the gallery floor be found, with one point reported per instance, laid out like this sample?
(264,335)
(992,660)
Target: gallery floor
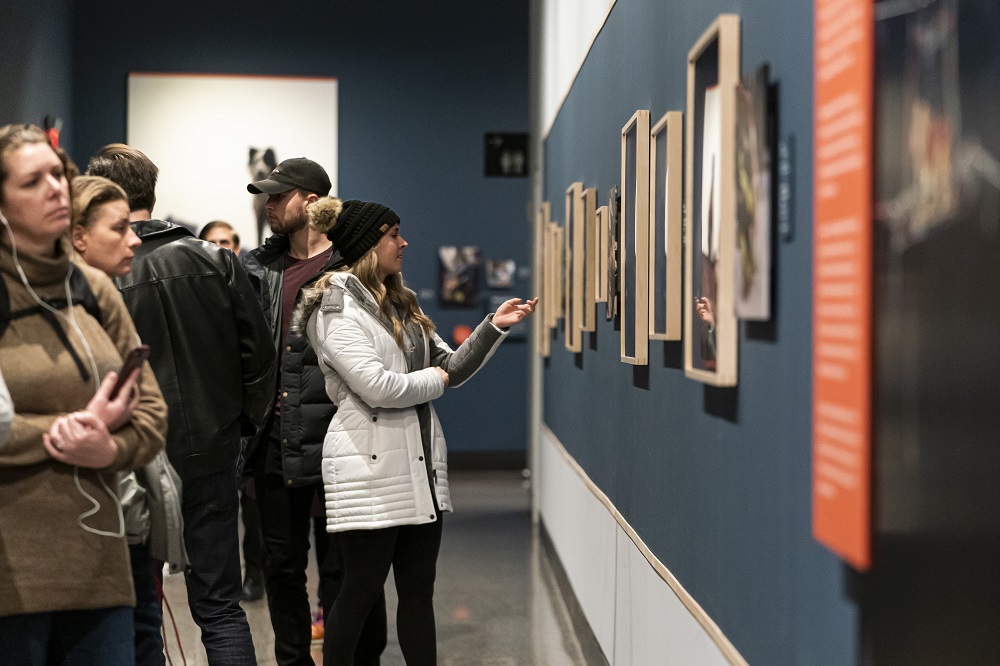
(496,600)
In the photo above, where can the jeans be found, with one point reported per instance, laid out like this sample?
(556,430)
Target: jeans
(147,615)
(412,552)
(210,507)
(285,519)
(74,638)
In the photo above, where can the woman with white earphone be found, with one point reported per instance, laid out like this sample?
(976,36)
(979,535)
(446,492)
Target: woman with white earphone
(65,583)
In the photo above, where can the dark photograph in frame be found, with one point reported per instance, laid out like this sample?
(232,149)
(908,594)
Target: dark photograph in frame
(711,332)
(611,285)
(458,276)
(752,269)
(633,240)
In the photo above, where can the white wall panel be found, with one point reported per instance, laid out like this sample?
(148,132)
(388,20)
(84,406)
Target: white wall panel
(653,626)
(636,616)
(584,535)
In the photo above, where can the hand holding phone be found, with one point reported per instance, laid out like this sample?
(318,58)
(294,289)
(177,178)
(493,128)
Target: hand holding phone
(133,361)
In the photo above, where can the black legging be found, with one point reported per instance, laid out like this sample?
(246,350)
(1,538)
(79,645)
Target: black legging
(412,551)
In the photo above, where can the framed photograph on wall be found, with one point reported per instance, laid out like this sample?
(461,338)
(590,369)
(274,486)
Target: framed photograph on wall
(553,266)
(195,124)
(601,249)
(543,336)
(752,274)
(458,276)
(586,246)
(573,268)
(556,264)
(666,205)
(500,273)
(612,285)
(711,329)
(633,239)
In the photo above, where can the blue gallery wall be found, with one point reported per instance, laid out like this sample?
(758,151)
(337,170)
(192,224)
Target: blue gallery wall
(715,481)
(419,86)
(35,74)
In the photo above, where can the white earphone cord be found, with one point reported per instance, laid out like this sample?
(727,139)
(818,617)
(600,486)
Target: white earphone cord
(71,319)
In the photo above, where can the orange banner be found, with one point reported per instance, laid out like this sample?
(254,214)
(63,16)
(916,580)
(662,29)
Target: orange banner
(842,277)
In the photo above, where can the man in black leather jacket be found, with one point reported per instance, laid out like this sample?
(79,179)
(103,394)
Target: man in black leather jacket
(286,460)
(212,355)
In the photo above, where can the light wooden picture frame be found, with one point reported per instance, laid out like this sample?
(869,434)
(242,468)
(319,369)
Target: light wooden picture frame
(601,246)
(549,311)
(633,240)
(573,267)
(666,206)
(711,333)
(543,334)
(586,246)
(558,267)
(552,267)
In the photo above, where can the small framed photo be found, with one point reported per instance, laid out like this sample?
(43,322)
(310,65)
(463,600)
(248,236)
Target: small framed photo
(633,239)
(500,273)
(711,328)
(666,205)
(601,247)
(458,276)
(573,268)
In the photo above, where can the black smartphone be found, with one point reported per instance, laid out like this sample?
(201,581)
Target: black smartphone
(134,360)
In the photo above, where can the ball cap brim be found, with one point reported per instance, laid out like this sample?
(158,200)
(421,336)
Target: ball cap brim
(297,172)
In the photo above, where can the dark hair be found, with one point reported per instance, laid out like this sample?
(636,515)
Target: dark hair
(13,137)
(131,170)
(219,223)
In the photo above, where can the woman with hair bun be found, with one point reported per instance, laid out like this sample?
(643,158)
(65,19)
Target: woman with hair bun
(385,470)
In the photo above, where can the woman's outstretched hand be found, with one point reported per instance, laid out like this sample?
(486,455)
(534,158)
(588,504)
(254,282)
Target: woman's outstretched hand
(513,312)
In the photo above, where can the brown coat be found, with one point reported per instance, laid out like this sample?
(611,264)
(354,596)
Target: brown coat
(47,561)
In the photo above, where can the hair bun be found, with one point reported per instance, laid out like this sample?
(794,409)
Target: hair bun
(324,212)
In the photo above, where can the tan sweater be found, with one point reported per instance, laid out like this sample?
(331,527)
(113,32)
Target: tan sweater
(47,561)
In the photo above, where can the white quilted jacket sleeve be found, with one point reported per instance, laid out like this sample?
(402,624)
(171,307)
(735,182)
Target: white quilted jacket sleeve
(357,348)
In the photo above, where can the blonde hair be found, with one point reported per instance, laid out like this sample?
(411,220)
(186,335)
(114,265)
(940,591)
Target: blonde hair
(395,301)
(89,194)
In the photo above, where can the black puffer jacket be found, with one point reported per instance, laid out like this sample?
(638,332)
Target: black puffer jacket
(211,347)
(305,408)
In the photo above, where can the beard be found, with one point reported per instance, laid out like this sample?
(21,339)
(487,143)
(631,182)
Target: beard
(290,223)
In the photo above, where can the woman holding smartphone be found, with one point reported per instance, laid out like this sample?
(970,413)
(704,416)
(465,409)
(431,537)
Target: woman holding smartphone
(151,496)
(65,590)
(385,469)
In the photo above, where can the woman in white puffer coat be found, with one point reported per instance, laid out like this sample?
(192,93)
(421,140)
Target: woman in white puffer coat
(385,471)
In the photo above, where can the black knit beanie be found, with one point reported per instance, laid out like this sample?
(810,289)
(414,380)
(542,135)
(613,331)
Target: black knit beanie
(359,227)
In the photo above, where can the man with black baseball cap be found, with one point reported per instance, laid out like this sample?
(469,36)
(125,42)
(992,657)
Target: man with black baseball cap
(297,172)
(286,456)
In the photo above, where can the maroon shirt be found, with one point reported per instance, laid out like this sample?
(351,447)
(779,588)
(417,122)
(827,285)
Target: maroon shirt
(295,274)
